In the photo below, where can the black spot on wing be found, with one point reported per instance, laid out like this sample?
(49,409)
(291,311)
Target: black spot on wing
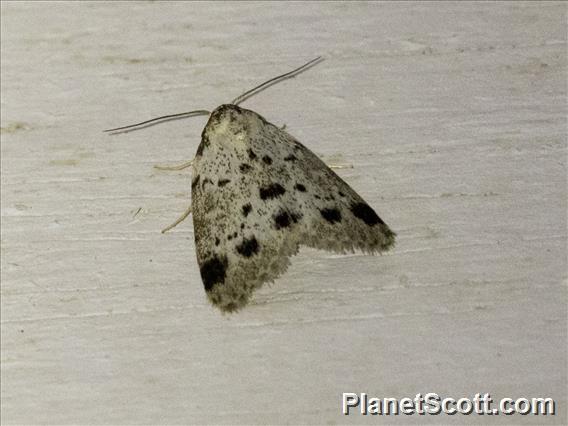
(331,215)
(267,160)
(213,271)
(222,182)
(246,209)
(366,214)
(290,157)
(244,167)
(248,247)
(282,220)
(251,154)
(217,241)
(300,187)
(274,190)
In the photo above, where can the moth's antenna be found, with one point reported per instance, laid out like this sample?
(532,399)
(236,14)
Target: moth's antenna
(275,80)
(235,101)
(156,120)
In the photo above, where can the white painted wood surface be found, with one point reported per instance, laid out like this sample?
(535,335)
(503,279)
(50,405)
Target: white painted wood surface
(453,117)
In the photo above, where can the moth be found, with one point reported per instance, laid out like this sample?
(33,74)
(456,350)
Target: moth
(258,194)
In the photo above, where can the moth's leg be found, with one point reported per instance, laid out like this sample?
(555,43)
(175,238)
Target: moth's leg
(178,221)
(340,166)
(175,167)
(336,162)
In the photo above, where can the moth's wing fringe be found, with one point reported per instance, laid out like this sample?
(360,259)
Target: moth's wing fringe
(236,293)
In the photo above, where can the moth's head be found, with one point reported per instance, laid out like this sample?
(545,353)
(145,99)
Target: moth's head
(230,121)
(225,112)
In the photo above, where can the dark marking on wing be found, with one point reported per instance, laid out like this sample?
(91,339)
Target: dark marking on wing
(222,182)
(295,217)
(248,247)
(251,154)
(244,167)
(204,144)
(246,209)
(195,182)
(290,157)
(274,190)
(366,214)
(217,241)
(331,215)
(267,160)
(213,271)
(300,187)
(282,220)
(206,181)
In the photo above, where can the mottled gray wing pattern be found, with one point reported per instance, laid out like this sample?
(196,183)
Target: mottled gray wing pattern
(257,195)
